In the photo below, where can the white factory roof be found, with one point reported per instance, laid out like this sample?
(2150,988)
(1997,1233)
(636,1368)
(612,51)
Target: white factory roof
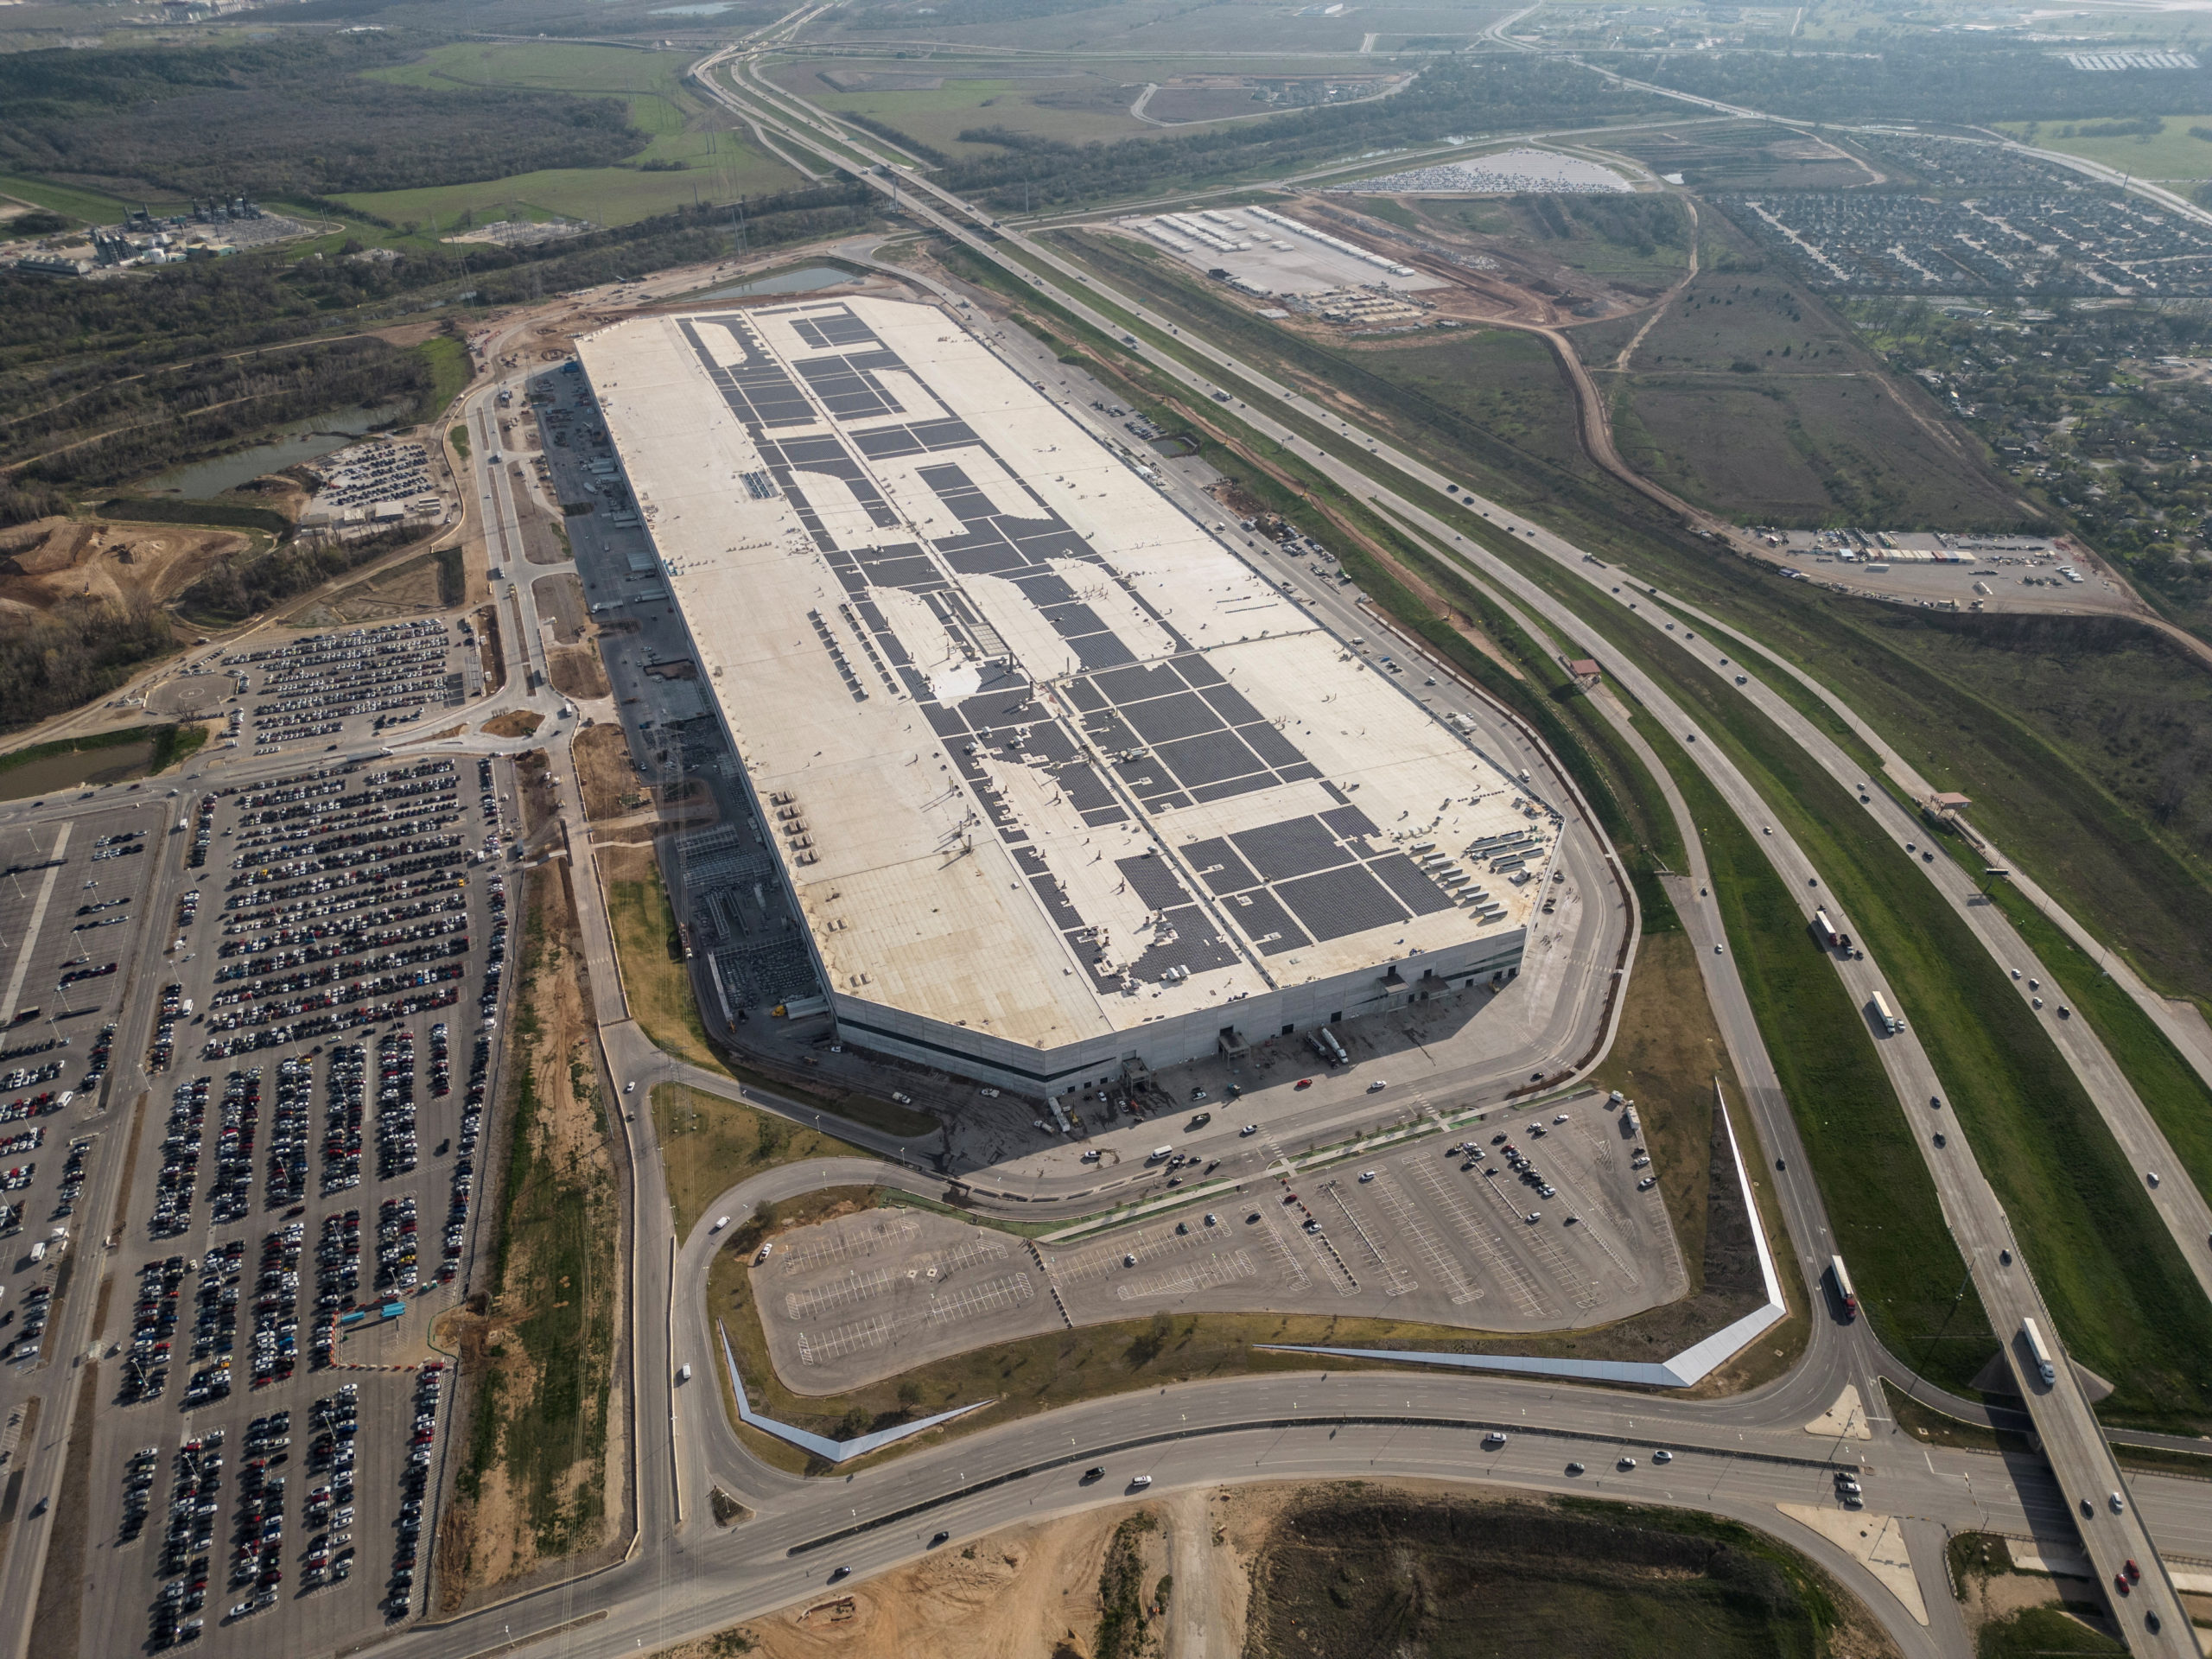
(1042,756)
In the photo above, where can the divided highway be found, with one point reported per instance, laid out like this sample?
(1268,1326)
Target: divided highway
(2110,1528)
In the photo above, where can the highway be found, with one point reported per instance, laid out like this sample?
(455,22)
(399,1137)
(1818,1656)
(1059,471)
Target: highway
(1742,1456)
(2079,1455)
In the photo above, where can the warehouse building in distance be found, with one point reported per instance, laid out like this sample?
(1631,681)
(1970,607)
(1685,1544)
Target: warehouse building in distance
(1059,780)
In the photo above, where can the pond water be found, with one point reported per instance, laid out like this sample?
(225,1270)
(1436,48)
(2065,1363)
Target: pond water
(805,280)
(311,439)
(77,770)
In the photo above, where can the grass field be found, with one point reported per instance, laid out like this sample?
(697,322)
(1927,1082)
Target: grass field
(2173,154)
(2175,1096)
(709,1144)
(653,975)
(1351,1570)
(1749,398)
(717,164)
(533,1479)
(1072,109)
(89,206)
(2116,1284)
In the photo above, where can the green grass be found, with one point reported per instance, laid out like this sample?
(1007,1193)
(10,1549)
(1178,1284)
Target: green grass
(2171,153)
(72,201)
(718,165)
(653,974)
(709,1144)
(553,1283)
(2117,1286)
(2171,1090)
(1347,1570)
(119,738)
(449,374)
(171,510)
(1880,1196)
(174,745)
(458,436)
(937,118)
(2036,1633)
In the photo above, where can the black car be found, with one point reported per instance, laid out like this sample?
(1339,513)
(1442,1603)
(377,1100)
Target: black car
(938,1539)
(1089,1475)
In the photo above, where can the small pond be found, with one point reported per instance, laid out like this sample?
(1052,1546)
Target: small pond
(312,438)
(805,280)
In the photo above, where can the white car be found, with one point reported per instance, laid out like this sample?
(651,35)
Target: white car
(1249,1128)
(720,1222)
(1140,1480)
(1377,1086)
(630,1087)
(1366,1174)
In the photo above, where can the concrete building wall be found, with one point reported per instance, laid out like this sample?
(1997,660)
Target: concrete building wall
(1174,1042)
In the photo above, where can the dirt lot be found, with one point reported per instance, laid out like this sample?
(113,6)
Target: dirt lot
(577,671)
(52,559)
(542,1341)
(1365,1568)
(1031,1591)
(516,723)
(610,783)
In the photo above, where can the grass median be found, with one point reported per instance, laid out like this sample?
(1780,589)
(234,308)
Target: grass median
(2117,1286)
(709,1144)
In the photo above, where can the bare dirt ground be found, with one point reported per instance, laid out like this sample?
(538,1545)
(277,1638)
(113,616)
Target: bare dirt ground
(516,723)
(577,671)
(52,559)
(1030,1590)
(496,1536)
(610,783)
(406,589)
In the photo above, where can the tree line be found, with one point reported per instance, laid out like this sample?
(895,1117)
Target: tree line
(263,119)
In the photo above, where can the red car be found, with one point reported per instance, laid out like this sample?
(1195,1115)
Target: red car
(2134,1573)
(1304,1082)
(2119,1583)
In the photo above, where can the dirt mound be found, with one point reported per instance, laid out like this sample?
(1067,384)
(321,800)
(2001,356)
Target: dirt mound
(49,560)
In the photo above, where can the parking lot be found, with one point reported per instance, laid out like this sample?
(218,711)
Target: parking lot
(319,1048)
(326,689)
(72,923)
(1553,1223)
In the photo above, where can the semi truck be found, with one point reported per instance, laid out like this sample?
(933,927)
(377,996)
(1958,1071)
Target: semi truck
(1885,1016)
(1847,1298)
(2042,1354)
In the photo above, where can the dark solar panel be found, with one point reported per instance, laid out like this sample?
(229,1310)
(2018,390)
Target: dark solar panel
(1135,684)
(1229,703)
(1246,786)
(1219,866)
(1349,821)
(1198,945)
(1339,903)
(1198,671)
(1064,914)
(1161,720)
(1270,744)
(1071,621)
(1279,851)
(912,572)
(1045,589)
(844,330)
(1403,877)
(1086,791)
(1082,693)
(1267,923)
(1210,758)
(1152,880)
(1099,817)
(1102,651)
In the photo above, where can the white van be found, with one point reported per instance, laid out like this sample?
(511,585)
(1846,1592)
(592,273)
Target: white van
(1160,1154)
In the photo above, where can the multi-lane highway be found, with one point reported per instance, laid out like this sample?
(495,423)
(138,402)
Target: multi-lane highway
(1744,1456)
(2112,1530)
